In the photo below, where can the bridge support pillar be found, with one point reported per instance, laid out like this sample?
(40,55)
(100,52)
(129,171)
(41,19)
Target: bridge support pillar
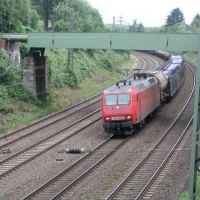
(35,74)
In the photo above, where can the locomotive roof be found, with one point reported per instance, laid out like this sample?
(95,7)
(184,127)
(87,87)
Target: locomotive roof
(177,58)
(127,86)
(171,67)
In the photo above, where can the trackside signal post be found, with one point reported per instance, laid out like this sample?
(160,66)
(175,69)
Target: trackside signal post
(130,41)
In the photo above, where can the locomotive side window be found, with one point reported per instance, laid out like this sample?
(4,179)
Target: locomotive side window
(110,100)
(124,99)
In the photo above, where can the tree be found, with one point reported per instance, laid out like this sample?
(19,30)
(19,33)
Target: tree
(136,27)
(34,19)
(178,28)
(140,28)
(45,9)
(195,24)
(14,15)
(76,15)
(176,16)
(48,6)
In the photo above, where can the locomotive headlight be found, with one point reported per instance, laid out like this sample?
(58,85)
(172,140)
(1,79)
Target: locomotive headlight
(128,117)
(108,118)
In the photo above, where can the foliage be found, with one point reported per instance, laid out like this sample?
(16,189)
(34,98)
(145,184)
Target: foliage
(191,56)
(34,20)
(61,26)
(195,25)
(68,15)
(4,106)
(178,28)
(23,50)
(76,15)
(176,16)
(14,14)
(154,29)
(11,81)
(85,63)
(136,27)
(90,75)
(175,23)
(19,91)
(185,195)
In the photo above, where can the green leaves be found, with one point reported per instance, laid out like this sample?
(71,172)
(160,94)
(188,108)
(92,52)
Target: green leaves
(176,16)
(76,15)
(14,14)
(195,25)
(11,84)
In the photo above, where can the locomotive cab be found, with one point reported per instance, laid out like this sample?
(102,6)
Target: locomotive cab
(117,109)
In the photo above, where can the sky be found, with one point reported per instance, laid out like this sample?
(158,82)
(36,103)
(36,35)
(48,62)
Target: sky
(150,13)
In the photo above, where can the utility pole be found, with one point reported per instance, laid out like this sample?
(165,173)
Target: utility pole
(113,25)
(120,20)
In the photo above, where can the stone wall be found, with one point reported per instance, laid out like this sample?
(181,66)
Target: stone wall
(12,49)
(35,75)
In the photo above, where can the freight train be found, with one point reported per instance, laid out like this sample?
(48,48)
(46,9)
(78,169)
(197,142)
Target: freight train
(129,103)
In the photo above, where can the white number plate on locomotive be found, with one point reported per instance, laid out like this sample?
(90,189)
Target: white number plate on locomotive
(118,118)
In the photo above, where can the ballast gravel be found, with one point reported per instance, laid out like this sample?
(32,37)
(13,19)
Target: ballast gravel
(18,185)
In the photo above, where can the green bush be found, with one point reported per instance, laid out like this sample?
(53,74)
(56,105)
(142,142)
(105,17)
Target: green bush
(18,91)
(11,84)
(3,92)
(64,79)
(83,64)
(6,107)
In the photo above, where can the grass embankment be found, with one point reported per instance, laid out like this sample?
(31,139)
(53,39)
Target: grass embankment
(91,81)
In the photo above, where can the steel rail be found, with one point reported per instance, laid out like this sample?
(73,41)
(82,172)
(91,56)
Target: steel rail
(149,153)
(4,170)
(80,161)
(165,161)
(48,117)
(28,134)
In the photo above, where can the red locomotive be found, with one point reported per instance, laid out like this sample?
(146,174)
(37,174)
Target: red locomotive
(128,103)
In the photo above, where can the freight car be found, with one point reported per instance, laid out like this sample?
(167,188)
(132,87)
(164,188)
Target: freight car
(126,105)
(174,72)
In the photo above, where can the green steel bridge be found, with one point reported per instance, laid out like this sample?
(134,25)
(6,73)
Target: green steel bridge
(132,41)
(128,41)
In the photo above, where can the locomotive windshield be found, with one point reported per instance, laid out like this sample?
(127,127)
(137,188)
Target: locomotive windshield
(111,100)
(120,99)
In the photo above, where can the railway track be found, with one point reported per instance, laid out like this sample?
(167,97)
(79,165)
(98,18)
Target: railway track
(46,122)
(61,184)
(147,61)
(142,181)
(28,154)
(39,129)
(19,159)
(52,119)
